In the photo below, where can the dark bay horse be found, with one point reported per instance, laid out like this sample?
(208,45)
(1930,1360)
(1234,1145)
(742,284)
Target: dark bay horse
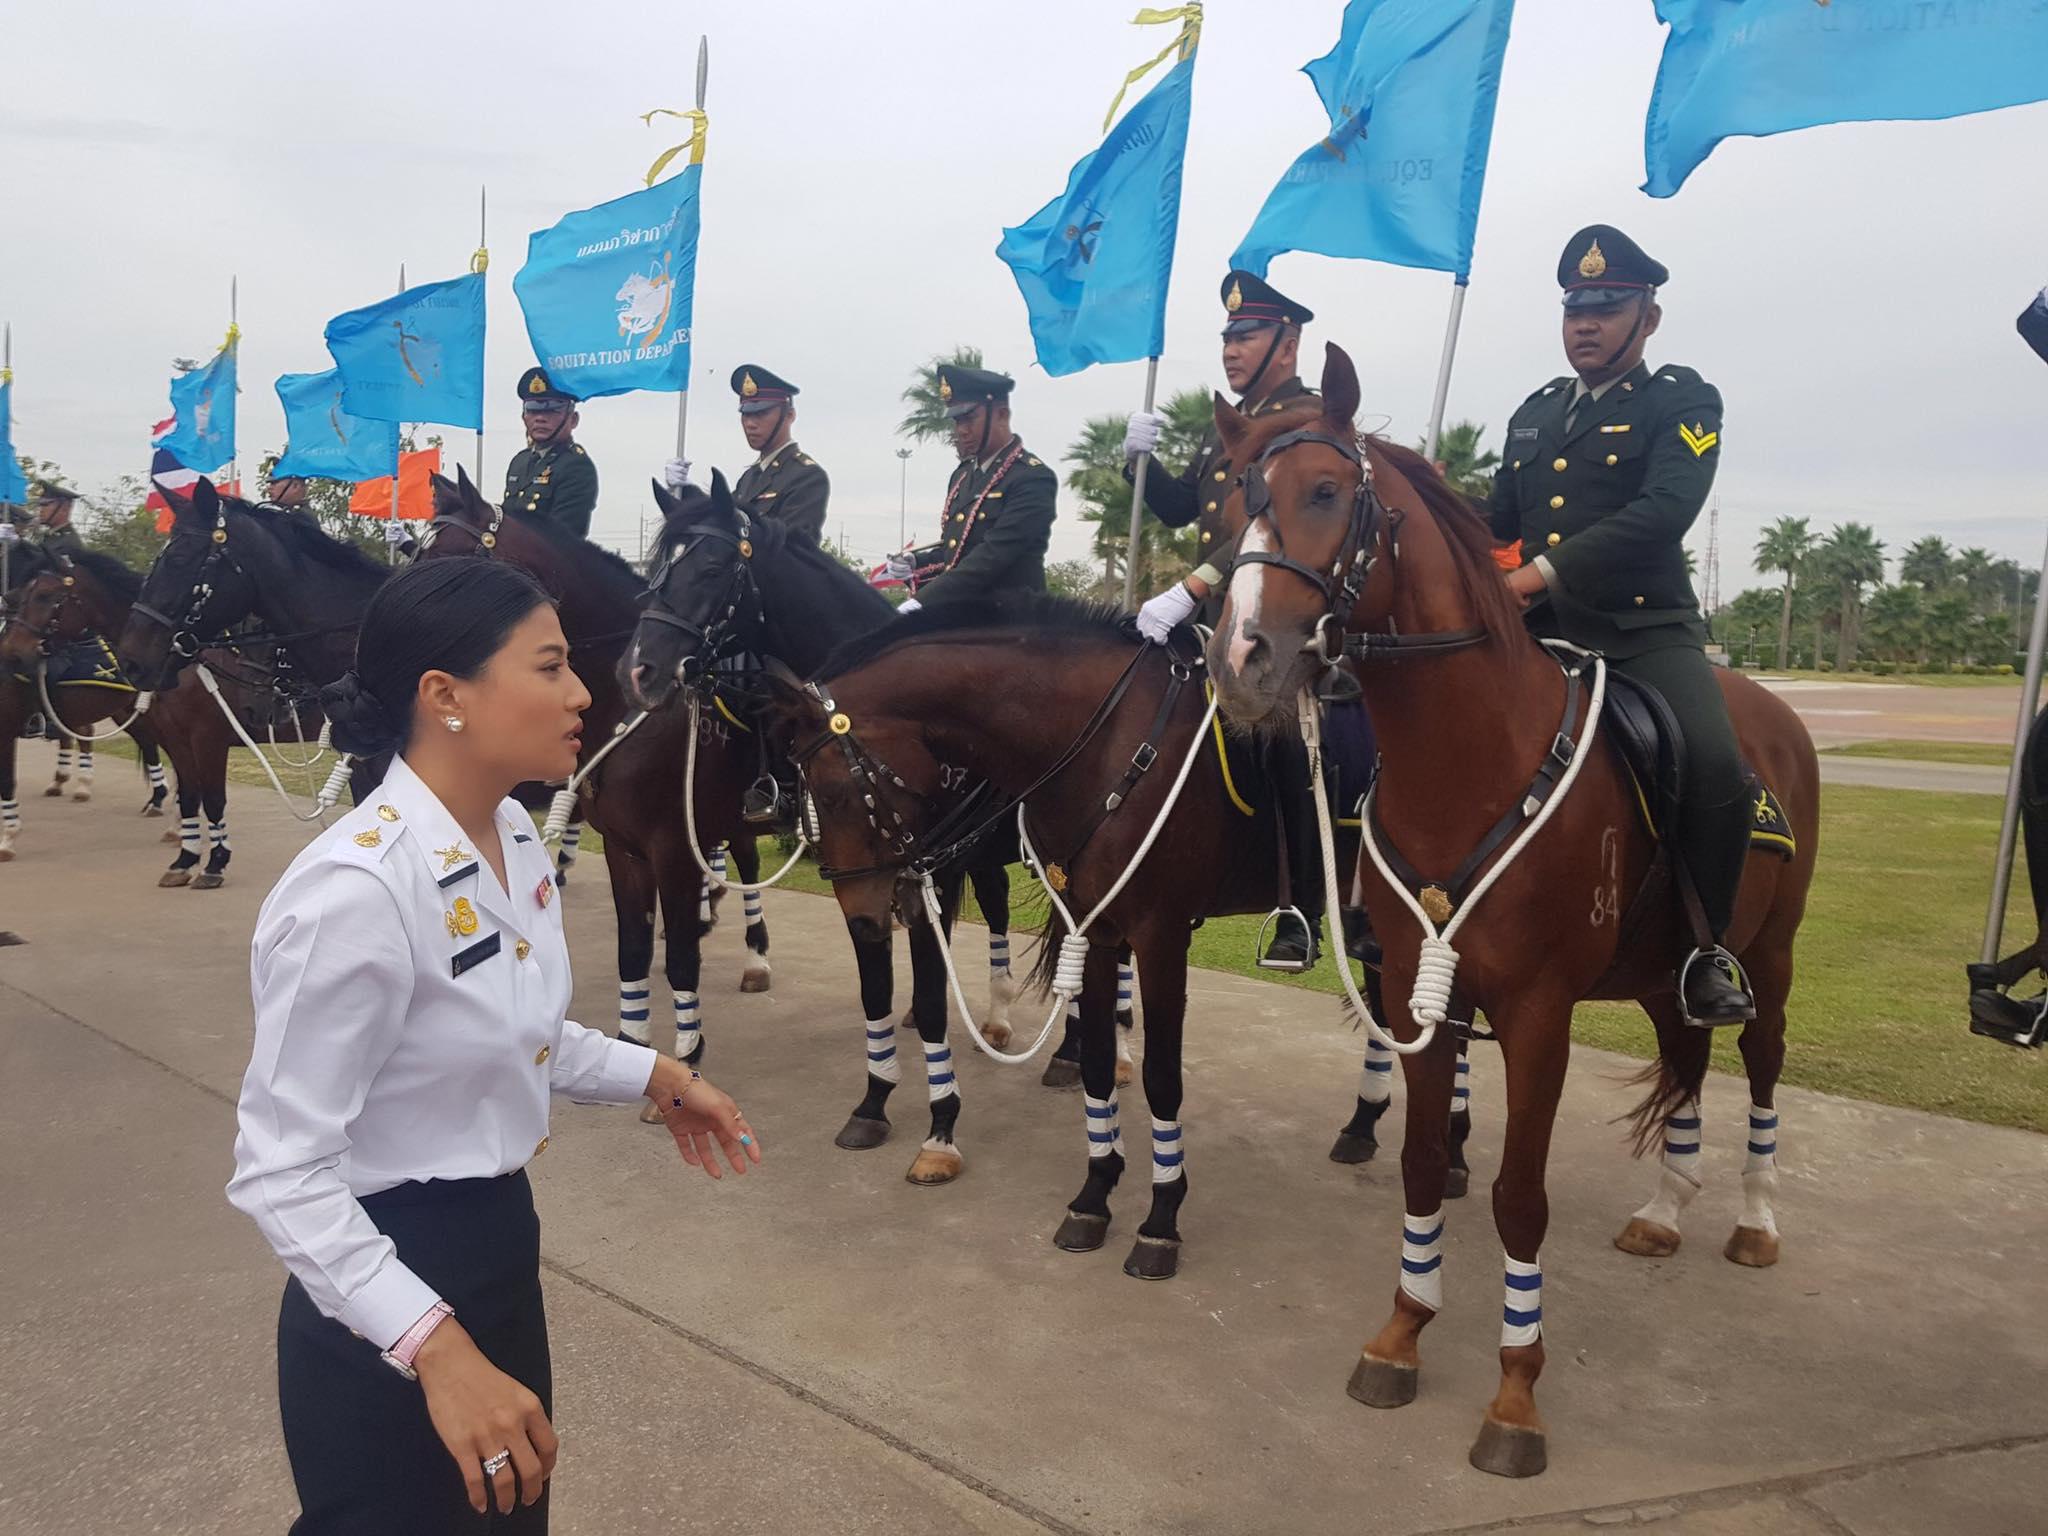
(56,602)
(635,797)
(724,583)
(1358,541)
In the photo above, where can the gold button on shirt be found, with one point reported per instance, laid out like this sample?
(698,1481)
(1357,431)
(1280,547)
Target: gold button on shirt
(1554,540)
(540,1057)
(1556,502)
(1560,464)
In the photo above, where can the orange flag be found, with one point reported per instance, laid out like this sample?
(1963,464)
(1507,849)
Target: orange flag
(372,498)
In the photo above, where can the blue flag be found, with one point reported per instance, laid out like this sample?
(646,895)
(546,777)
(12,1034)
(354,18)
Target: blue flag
(1759,67)
(1410,89)
(607,293)
(202,434)
(416,357)
(323,441)
(1093,263)
(13,485)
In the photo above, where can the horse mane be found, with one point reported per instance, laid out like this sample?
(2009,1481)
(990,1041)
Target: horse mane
(773,539)
(572,546)
(116,576)
(1466,535)
(1039,611)
(300,530)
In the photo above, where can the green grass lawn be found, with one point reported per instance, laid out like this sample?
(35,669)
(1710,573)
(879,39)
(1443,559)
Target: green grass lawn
(1988,754)
(1878,1008)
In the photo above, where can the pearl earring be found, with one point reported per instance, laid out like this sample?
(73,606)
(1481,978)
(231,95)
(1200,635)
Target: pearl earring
(453,722)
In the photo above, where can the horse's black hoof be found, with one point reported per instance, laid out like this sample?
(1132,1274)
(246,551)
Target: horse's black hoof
(208,881)
(1457,1183)
(1353,1149)
(1382,1383)
(1507,1451)
(861,1135)
(1060,1074)
(1081,1233)
(1153,1258)
(696,1055)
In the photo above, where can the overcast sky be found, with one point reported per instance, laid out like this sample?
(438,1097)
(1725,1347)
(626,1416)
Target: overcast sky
(1851,289)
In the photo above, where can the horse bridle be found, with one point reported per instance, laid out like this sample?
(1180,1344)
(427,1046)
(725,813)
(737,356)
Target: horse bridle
(46,632)
(185,641)
(486,537)
(1344,582)
(718,636)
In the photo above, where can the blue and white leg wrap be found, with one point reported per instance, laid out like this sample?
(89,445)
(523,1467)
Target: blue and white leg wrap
(85,762)
(63,762)
(156,777)
(10,816)
(217,834)
(1376,1080)
(1167,1156)
(1126,985)
(1105,1133)
(999,954)
(1461,1088)
(1422,1259)
(1521,1317)
(938,1070)
(882,1061)
(572,838)
(633,1011)
(188,836)
(1680,1179)
(752,903)
(689,1024)
(1760,1170)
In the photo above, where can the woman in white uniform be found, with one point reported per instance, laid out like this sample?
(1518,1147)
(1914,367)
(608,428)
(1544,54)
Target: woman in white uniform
(410,981)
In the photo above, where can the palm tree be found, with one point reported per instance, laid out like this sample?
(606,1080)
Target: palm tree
(1785,547)
(926,421)
(1950,637)
(1977,574)
(1897,622)
(1465,465)
(1098,483)
(1927,565)
(1853,556)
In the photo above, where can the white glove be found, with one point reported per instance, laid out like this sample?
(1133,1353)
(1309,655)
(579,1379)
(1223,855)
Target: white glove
(675,474)
(908,606)
(1141,434)
(898,567)
(396,532)
(1159,614)
(9,534)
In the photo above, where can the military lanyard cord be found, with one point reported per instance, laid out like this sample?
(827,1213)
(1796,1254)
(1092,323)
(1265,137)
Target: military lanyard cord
(1635,334)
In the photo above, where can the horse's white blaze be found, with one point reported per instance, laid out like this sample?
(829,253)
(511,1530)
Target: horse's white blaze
(1247,590)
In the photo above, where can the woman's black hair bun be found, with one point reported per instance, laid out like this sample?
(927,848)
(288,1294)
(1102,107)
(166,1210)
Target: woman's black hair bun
(357,721)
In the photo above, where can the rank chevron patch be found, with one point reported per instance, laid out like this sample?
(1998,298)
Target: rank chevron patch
(1698,438)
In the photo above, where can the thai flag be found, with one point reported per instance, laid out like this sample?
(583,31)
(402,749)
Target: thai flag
(165,471)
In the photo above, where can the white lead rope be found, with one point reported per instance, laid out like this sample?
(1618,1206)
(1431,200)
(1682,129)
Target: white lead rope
(1068,975)
(142,703)
(1437,965)
(718,881)
(322,804)
(563,807)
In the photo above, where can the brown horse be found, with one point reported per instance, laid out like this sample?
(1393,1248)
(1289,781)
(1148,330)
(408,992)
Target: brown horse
(1364,544)
(635,797)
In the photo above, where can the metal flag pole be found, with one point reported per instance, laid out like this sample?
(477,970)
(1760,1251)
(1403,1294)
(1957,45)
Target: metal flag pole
(483,261)
(2008,827)
(391,532)
(683,395)
(1138,494)
(7,511)
(1443,369)
(234,330)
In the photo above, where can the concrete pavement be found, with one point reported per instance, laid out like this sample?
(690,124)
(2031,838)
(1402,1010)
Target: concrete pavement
(1909,773)
(825,1348)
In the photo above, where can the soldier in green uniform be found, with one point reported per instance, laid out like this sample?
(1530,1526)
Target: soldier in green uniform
(999,508)
(53,528)
(1603,473)
(1261,359)
(783,484)
(551,478)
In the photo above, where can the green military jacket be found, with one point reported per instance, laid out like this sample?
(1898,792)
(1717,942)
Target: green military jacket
(790,487)
(555,485)
(1609,502)
(1198,493)
(59,541)
(998,521)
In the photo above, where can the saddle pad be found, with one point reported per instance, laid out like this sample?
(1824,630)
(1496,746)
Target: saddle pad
(1770,831)
(87,663)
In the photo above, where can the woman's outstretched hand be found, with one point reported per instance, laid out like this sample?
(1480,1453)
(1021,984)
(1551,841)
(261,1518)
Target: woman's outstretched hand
(703,1119)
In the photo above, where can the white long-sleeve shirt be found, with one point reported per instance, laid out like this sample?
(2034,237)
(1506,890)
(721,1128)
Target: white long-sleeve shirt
(410,1025)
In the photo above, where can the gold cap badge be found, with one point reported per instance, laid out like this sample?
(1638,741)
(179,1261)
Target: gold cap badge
(1592,264)
(1234,300)
(748,388)
(945,388)
(536,385)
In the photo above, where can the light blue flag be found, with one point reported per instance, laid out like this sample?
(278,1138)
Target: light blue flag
(1093,263)
(418,356)
(1759,67)
(607,293)
(13,484)
(323,441)
(1410,89)
(202,435)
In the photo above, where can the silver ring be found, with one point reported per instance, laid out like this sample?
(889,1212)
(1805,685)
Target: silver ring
(493,1465)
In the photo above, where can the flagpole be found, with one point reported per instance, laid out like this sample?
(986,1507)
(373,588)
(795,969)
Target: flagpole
(390,541)
(683,395)
(1443,369)
(6,512)
(234,323)
(1138,493)
(2008,827)
(483,244)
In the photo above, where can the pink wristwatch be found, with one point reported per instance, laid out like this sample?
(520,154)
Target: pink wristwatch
(400,1355)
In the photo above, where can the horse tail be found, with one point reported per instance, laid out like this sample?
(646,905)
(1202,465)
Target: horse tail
(1674,1079)
(1045,961)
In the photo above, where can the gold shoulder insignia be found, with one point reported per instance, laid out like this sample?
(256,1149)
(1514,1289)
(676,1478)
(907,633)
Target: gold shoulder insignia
(808,463)
(388,812)
(1698,438)
(579,450)
(369,839)
(1034,463)
(452,856)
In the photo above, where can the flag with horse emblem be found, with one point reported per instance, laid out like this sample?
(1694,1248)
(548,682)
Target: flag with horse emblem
(1410,90)
(202,431)
(416,357)
(1757,67)
(13,484)
(1093,264)
(608,292)
(323,441)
